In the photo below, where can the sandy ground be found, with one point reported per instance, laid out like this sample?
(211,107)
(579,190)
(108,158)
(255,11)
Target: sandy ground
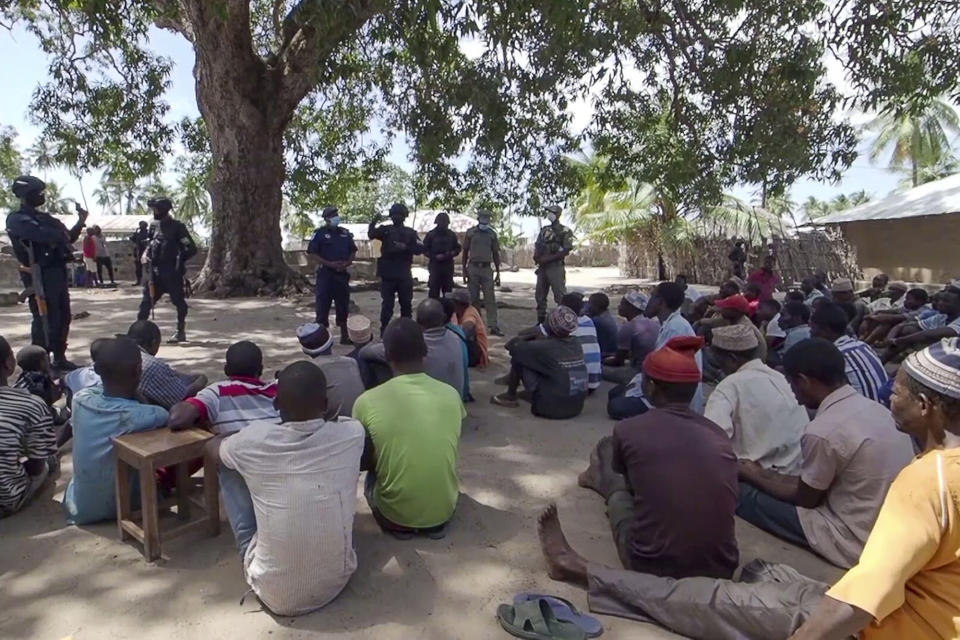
(59,581)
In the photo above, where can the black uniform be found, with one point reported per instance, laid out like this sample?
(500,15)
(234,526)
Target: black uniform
(168,252)
(52,247)
(441,242)
(140,240)
(332,243)
(398,246)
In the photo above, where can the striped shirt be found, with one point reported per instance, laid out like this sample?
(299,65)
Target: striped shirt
(230,405)
(939,321)
(864,370)
(586,333)
(160,384)
(26,431)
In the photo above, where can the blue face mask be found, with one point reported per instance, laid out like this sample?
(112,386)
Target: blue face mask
(334,221)
(484,227)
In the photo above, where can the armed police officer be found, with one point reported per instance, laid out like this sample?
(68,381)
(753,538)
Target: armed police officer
(44,246)
(398,245)
(553,245)
(441,247)
(333,249)
(481,254)
(166,261)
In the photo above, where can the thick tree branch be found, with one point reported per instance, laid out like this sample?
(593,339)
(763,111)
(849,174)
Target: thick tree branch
(170,17)
(320,29)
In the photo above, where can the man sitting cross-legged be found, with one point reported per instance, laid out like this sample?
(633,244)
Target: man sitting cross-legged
(922,332)
(344,385)
(302,477)
(469,318)
(851,451)
(669,476)
(551,368)
(907,581)
(28,440)
(878,324)
(754,404)
(227,407)
(101,413)
(413,440)
(586,335)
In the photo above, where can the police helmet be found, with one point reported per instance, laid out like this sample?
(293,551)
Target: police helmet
(484,216)
(441,217)
(161,203)
(399,209)
(27,185)
(330,212)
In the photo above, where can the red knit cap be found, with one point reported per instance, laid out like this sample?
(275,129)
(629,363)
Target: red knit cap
(675,361)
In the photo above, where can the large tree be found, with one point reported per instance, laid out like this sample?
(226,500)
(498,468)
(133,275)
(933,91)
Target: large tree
(303,97)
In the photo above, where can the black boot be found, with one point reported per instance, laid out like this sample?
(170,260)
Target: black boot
(181,335)
(61,364)
(345,336)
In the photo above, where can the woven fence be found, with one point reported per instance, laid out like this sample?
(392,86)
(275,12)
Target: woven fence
(704,259)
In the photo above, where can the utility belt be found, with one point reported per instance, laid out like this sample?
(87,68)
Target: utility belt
(482,265)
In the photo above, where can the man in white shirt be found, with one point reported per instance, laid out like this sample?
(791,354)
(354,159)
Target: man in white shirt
(754,404)
(302,475)
(344,384)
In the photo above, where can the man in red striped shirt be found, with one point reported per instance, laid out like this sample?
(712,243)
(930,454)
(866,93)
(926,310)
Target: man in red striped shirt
(227,407)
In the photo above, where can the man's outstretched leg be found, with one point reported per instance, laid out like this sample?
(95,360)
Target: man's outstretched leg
(612,487)
(693,607)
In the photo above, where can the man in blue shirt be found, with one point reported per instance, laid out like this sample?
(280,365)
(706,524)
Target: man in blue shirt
(101,413)
(332,249)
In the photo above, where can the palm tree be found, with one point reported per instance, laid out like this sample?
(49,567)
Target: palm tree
(43,156)
(918,140)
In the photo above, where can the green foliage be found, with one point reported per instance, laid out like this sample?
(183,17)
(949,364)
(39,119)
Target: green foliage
(814,208)
(919,138)
(12,165)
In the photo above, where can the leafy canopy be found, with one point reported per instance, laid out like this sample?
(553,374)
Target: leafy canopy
(691,97)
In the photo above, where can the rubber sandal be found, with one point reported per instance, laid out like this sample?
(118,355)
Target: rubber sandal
(534,620)
(565,612)
(502,401)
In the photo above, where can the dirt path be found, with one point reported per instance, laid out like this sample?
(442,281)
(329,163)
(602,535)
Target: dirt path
(81,582)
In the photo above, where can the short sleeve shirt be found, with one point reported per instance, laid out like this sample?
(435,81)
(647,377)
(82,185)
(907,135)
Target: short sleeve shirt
(908,577)
(26,431)
(159,383)
(940,321)
(414,424)
(853,451)
(231,405)
(332,243)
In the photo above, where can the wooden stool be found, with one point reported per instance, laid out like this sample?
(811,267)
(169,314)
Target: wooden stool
(146,452)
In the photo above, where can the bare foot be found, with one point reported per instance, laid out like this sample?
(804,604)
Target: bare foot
(563,563)
(598,475)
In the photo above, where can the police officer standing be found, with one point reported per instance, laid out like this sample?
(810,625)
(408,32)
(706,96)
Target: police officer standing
(166,258)
(481,249)
(398,245)
(553,245)
(441,247)
(140,240)
(333,249)
(41,240)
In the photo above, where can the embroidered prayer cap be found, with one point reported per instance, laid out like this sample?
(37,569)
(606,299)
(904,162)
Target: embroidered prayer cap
(562,321)
(736,337)
(937,367)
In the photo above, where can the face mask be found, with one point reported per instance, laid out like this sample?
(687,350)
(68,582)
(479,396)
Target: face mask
(551,217)
(484,227)
(36,199)
(334,221)
(157,215)
(397,220)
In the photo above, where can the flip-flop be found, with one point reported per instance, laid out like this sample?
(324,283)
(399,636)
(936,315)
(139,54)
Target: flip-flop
(502,401)
(534,620)
(565,612)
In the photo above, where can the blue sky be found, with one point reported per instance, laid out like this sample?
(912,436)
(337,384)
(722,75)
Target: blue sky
(21,78)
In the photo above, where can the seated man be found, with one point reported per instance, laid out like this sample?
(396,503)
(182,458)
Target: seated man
(360,333)
(754,404)
(877,287)
(904,586)
(892,298)
(690,294)
(841,293)
(450,317)
(865,372)
(28,440)
(101,413)
(342,374)
(551,369)
(227,407)
(413,439)
(598,308)
(635,339)
(768,315)
(794,320)
(810,291)
(36,376)
(586,334)
(852,451)
(444,360)
(302,477)
(922,332)
(469,318)
(160,384)
(876,326)
(653,461)
(703,309)
(735,310)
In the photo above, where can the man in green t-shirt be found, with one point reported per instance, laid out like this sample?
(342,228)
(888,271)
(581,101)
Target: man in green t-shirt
(413,438)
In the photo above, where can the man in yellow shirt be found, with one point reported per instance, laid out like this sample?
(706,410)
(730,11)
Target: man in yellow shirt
(905,586)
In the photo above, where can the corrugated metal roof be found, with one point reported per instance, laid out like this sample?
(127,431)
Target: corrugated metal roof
(931,199)
(110,224)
